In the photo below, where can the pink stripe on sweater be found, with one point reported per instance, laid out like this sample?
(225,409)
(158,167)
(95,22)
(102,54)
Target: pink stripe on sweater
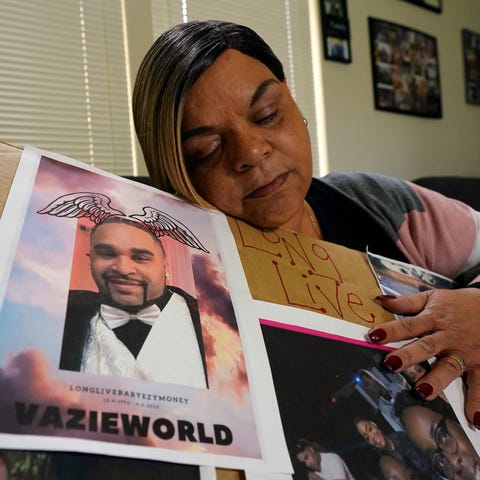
(442,237)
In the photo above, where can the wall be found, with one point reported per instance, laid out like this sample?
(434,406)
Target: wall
(358,137)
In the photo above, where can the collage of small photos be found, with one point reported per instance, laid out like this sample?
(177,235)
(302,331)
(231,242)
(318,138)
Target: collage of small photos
(404,60)
(405,69)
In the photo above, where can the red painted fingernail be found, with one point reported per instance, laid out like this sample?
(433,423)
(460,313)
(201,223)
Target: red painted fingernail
(424,390)
(382,298)
(392,363)
(476,420)
(377,335)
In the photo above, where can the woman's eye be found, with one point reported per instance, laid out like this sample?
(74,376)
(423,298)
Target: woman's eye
(267,119)
(201,157)
(202,153)
(205,155)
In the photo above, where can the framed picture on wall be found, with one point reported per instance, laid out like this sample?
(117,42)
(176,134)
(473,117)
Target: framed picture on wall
(471,61)
(405,69)
(335,30)
(435,5)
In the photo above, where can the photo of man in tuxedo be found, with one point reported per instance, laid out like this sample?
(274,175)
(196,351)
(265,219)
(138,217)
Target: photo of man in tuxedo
(136,325)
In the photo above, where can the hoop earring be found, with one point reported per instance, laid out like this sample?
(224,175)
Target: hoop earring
(305,121)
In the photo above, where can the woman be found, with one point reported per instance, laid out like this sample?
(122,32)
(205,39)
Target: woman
(415,372)
(443,441)
(382,395)
(320,464)
(219,127)
(395,445)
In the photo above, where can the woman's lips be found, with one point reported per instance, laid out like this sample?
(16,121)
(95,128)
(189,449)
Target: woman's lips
(477,472)
(269,188)
(469,469)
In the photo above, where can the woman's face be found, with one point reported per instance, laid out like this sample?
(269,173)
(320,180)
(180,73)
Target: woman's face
(245,144)
(415,372)
(310,458)
(372,434)
(443,442)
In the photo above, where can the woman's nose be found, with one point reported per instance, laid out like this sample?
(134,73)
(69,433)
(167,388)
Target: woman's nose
(249,148)
(456,462)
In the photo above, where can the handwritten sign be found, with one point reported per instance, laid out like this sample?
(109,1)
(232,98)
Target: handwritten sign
(286,268)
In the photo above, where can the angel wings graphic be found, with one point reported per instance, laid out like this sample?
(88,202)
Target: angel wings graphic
(96,207)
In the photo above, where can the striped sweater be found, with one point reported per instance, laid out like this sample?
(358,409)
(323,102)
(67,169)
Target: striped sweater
(400,220)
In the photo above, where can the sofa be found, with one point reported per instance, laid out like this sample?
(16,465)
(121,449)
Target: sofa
(466,189)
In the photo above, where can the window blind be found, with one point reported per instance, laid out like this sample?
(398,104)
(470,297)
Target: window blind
(284,25)
(64,81)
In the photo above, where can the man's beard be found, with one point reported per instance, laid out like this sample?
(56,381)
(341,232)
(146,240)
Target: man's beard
(108,299)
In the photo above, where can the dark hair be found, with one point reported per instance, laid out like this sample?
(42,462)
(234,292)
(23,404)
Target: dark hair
(130,222)
(302,443)
(195,45)
(357,420)
(171,66)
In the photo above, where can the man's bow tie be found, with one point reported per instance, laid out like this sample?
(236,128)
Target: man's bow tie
(116,317)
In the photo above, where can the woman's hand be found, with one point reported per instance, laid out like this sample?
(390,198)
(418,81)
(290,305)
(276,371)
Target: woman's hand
(447,323)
